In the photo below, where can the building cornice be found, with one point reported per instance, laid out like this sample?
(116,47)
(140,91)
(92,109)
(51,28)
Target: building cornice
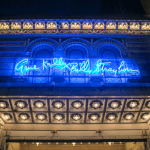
(68,26)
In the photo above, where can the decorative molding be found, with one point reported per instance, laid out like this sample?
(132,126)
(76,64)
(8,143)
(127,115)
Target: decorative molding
(100,44)
(46,42)
(12,43)
(138,44)
(76,42)
(68,31)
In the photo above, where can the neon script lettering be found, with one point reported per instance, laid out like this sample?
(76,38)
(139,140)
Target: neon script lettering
(22,68)
(81,67)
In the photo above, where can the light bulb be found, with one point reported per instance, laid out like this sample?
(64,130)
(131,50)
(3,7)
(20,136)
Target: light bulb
(94,116)
(2,105)
(114,104)
(7,116)
(39,104)
(24,116)
(96,105)
(58,116)
(76,117)
(133,104)
(58,105)
(41,116)
(145,116)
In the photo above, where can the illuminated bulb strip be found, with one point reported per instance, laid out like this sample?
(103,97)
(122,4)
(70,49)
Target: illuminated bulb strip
(87,25)
(16,25)
(134,26)
(4,25)
(65,25)
(28,25)
(123,25)
(51,25)
(145,26)
(110,25)
(99,25)
(75,25)
(40,25)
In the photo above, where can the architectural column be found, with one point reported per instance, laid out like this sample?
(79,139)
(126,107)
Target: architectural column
(148,134)
(148,144)
(2,136)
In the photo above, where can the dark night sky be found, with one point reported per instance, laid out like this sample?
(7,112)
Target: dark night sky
(36,9)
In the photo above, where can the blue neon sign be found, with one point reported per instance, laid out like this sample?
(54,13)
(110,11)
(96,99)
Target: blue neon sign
(89,67)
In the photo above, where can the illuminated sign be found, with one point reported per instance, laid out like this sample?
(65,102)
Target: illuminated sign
(90,67)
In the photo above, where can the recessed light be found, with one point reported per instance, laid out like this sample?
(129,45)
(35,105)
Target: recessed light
(21,104)
(39,104)
(94,116)
(77,104)
(114,104)
(58,104)
(111,116)
(147,104)
(24,116)
(76,116)
(128,116)
(7,116)
(145,116)
(41,116)
(3,104)
(132,104)
(96,104)
(59,116)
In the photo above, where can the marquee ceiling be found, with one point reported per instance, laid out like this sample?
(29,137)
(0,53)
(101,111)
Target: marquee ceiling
(74,111)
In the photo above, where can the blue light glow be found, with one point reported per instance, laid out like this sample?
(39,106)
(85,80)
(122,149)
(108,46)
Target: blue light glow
(22,68)
(89,67)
